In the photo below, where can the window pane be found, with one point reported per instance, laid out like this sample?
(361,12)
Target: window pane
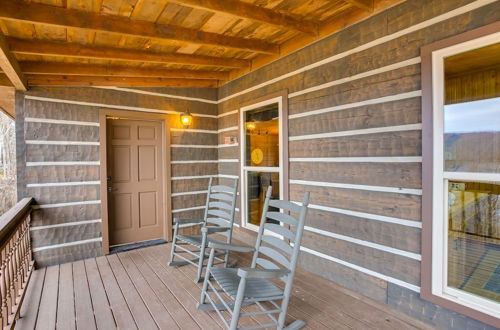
(472,111)
(258,183)
(474,238)
(262,136)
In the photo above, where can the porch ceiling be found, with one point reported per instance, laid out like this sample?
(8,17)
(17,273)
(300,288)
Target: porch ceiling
(191,43)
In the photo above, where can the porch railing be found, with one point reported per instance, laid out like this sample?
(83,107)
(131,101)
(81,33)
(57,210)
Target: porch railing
(16,262)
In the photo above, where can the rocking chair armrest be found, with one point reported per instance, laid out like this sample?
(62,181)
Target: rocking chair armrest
(230,247)
(262,273)
(187,221)
(213,229)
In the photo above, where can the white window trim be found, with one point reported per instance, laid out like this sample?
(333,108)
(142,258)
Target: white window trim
(440,181)
(245,168)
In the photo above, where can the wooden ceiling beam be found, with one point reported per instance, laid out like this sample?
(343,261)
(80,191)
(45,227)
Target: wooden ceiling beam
(72,69)
(253,12)
(367,5)
(57,16)
(73,50)
(62,80)
(10,67)
(4,80)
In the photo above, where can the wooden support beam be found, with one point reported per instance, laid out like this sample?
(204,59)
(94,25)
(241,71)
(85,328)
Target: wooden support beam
(253,12)
(10,67)
(4,80)
(7,100)
(367,5)
(59,49)
(61,80)
(71,69)
(56,16)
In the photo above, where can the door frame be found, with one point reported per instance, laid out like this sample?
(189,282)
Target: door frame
(281,98)
(135,115)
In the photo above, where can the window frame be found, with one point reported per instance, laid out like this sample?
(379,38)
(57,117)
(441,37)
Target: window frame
(434,233)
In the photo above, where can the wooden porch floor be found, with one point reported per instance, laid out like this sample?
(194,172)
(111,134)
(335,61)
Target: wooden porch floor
(136,289)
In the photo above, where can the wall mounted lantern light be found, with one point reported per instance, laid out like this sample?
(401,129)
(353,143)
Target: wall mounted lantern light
(186,119)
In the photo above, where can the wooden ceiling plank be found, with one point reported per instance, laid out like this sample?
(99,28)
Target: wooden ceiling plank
(10,66)
(253,12)
(73,50)
(56,16)
(60,80)
(367,5)
(56,68)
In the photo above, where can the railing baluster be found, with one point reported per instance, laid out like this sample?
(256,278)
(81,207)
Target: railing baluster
(16,261)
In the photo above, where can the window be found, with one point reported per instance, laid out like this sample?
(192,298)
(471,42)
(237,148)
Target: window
(262,157)
(466,174)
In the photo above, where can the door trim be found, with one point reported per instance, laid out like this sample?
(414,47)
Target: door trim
(103,114)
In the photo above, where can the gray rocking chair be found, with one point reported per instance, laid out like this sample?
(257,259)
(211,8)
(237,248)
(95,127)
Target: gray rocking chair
(218,219)
(277,260)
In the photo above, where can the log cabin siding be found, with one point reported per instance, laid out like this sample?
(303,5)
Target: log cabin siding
(60,165)
(355,143)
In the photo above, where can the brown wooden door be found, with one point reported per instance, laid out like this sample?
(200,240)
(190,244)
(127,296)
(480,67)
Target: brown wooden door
(135,180)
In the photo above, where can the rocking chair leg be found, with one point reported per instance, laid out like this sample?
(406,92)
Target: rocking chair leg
(172,249)
(295,325)
(202,257)
(207,278)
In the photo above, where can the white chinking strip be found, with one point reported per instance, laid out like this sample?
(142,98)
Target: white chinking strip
(228,145)
(363,215)
(362,269)
(228,176)
(189,209)
(233,112)
(391,67)
(359,159)
(396,190)
(66,224)
(186,193)
(399,128)
(171,96)
(63,184)
(74,143)
(376,246)
(193,130)
(86,241)
(49,206)
(228,129)
(209,161)
(111,106)
(384,99)
(437,19)
(58,121)
(76,163)
(199,146)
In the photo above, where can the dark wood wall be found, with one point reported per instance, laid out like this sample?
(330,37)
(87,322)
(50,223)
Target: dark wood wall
(58,159)
(355,144)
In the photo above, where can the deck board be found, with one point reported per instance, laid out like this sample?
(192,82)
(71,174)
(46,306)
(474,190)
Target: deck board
(136,289)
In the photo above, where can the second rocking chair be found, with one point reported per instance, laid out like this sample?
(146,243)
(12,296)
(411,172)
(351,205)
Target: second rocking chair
(218,219)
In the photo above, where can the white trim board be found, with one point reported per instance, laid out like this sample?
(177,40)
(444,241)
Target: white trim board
(170,96)
(48,206)
(233,112)
(396,190)
(363,215)
(75,163)
(73,143)
(362,269)
(437,19)
(388,159)
(66,224)
(378,100)
(364,131)
(112,106)
(63,184)
(372,245)
(222,160)
(186,193)
(199,146)
(55,246)
(59,121)
(193,130)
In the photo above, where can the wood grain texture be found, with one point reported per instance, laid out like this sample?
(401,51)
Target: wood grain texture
(185,201)
(63,173)
(401,175)
(382,262)
(67,234)
(190,153)
(403,206)
(192,138)
(57,132)
(65,194)
(65,214)
(54,153)
(194,169)
(50,110)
